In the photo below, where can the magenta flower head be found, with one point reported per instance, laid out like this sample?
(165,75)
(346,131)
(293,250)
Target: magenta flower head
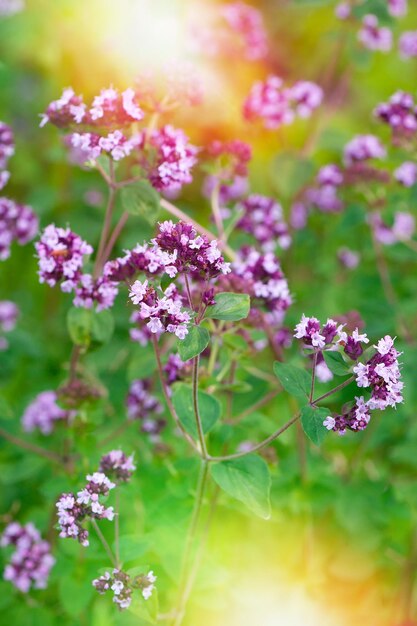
(398,8)
(9,313)
(18,223)
(247,23)
(373,36)
(143,406)
(6,144)
(100,293)
(43,413)
(60,254)
(117,465)
(31,560)
(400,112)
(231,158)
(187,252)
(263,218)
(407,44)
(406,174)
(362,148)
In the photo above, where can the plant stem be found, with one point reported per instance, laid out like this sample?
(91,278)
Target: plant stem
(31,447)
(200,430)
(215,209)
(168,398)
(117,527)
(313,377)
(184,587)
(98,265)
(104,543)
(334,390)
(115,235)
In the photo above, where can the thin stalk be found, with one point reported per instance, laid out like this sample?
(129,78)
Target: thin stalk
(257,405)
(196,362)
(334,390)
(313,377)
(31,447)
(187,287)
(117,528)
(183,595)
(168,398)
(115,235)
(215,209)
(263,444)
(107,224)
(104,542)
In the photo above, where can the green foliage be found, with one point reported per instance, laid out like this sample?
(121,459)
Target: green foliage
(337,364)
(229,307)
(312,421)
(294,380)
(195,342)
(86,326)
(209,409)
(141,199)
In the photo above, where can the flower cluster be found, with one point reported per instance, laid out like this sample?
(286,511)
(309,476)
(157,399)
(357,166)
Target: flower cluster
(232,158)
(116,465)
(362,148)
(74,509)
(406,174)
(234,29)
(400,112)
(31,561)
(373,36)
(60,253)
(110,108)
(123,585)
(260,275)
(402,228)
(142,405)
(142,258)
(382,374)
(43,413)
(408,44)
(277,105)
(17,223)
(356,419)
(89,146)
(167,157)
(188,252)
(100,292)
(9,313)
(324,195)
(176,369)
(6,151)
(163,314)
(397,8)
(10,7)
(263,218)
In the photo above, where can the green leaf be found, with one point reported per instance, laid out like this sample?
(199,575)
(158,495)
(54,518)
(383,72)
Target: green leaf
(79,324)
(141,198)
(132,547)
(209,409)
(102,326)
(312,419)
(75,595)
(336,363)
(294,380)
(229,307)
(247,480)
(194,343)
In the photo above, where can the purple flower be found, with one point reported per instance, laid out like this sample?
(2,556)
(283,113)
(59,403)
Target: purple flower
(362,148)
(140,403)
(9,313)
(17,222)
(60,254)
(306,97)
(74,509)
(6,144)
(397,8)
(247,22)
(348,258)
(100,292)
(263,218)
(121,585)
(343,10)
(117,465)
(374,37)
(400,112)
(90,146)
(31,561)
(43,412)
(406,174)
(407,44)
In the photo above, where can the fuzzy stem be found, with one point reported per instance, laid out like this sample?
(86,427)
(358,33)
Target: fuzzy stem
(104,543)
(199,424)
(98,265)
(215,209)
(115,235)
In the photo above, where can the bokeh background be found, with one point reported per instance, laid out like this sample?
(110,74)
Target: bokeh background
(340,548)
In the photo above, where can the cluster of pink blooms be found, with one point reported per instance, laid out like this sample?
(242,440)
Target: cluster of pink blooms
(89,146)
(17,223)
(407,44)
(262,217)
(402,228)
(373,36)
(277,105)
(9,313)
(188,252)
(6,151)
(175,368)
(171,158)
(260,275)
(61,255)
(232,158)
(74,509)
(10,7)
(161,313)
(362,148)
(400,112)
(406,174)
(116,465)
(330,335)
(396,8)
(110,108)
(142,258)
(142,405)
(324,195)
(123,586)
(236,28)
(31,560)
(43,413)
